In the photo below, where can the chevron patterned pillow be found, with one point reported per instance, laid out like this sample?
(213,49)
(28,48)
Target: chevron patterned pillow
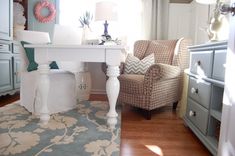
(134,65)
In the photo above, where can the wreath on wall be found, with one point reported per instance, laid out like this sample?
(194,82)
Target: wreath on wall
(38,8)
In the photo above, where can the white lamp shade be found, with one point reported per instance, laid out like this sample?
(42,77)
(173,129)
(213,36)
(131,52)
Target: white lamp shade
(106,10)
(206,1)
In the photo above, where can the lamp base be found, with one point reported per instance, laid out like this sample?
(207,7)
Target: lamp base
(105,36)
(102,42)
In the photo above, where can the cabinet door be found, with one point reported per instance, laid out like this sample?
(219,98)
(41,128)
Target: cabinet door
(5,73)
(16,69)
(5,19)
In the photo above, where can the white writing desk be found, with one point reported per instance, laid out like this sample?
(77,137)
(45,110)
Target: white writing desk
(45,53)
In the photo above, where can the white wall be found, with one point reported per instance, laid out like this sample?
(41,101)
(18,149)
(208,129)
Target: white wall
(98,78)
(179,17)
(188,20)
(199,22)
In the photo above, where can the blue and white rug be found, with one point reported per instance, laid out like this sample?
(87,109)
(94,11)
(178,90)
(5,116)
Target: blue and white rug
(79,132)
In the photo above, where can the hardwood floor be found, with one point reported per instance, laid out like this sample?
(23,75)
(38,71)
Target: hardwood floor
(163,135)
(6,99)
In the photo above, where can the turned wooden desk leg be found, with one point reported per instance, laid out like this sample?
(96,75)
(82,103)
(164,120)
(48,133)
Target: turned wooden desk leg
(112,89)
(43,88)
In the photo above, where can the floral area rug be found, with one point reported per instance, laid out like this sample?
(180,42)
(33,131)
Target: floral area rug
(78,132)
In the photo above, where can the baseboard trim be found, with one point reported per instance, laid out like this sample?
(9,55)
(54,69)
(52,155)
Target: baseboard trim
(98,91)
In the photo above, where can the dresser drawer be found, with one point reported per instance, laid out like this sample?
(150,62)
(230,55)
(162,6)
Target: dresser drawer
(16,48)
(201,63)
(218,65)
(198,115)
(200,91)
(5,47)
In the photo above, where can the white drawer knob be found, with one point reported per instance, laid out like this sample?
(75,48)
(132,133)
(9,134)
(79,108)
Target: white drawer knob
(194,90)
(192,113)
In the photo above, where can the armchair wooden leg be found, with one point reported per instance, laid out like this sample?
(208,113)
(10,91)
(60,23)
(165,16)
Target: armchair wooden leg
(148,114)
(175,105)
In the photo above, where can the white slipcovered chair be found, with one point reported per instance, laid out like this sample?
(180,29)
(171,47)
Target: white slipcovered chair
(62,96)
(67,35)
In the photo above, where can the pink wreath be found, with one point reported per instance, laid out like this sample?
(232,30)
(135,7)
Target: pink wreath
(38,8)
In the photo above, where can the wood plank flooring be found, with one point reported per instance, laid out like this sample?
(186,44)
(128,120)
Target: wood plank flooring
(163,135)
(6,99)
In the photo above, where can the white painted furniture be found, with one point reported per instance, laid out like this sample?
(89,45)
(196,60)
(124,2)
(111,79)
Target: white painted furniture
(45,53)
(62,95)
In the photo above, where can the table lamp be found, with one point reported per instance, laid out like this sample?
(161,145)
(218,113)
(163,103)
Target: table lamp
(106,11)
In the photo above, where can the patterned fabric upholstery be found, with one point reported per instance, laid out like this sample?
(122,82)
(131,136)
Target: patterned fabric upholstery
(163,50)
(136,66)
(162,83)
(140,48)
(133,83)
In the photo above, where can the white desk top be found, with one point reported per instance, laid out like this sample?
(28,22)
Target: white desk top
(75,46)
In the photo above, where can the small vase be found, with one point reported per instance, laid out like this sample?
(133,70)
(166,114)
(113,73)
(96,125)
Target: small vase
(85,34)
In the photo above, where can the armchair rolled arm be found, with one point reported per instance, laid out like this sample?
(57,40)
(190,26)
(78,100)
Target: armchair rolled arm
(158,72)
(162,71)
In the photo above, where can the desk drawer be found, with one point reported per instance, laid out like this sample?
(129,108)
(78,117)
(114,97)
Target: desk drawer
(201,63)
(200,91)
(198,115)
(218,66)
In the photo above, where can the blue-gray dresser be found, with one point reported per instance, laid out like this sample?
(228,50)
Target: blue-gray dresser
(9,51)
(205,92)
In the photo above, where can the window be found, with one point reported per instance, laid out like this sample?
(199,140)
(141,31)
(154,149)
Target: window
(127,28)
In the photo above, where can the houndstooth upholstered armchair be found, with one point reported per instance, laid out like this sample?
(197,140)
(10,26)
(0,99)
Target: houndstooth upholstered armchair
(162,83)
